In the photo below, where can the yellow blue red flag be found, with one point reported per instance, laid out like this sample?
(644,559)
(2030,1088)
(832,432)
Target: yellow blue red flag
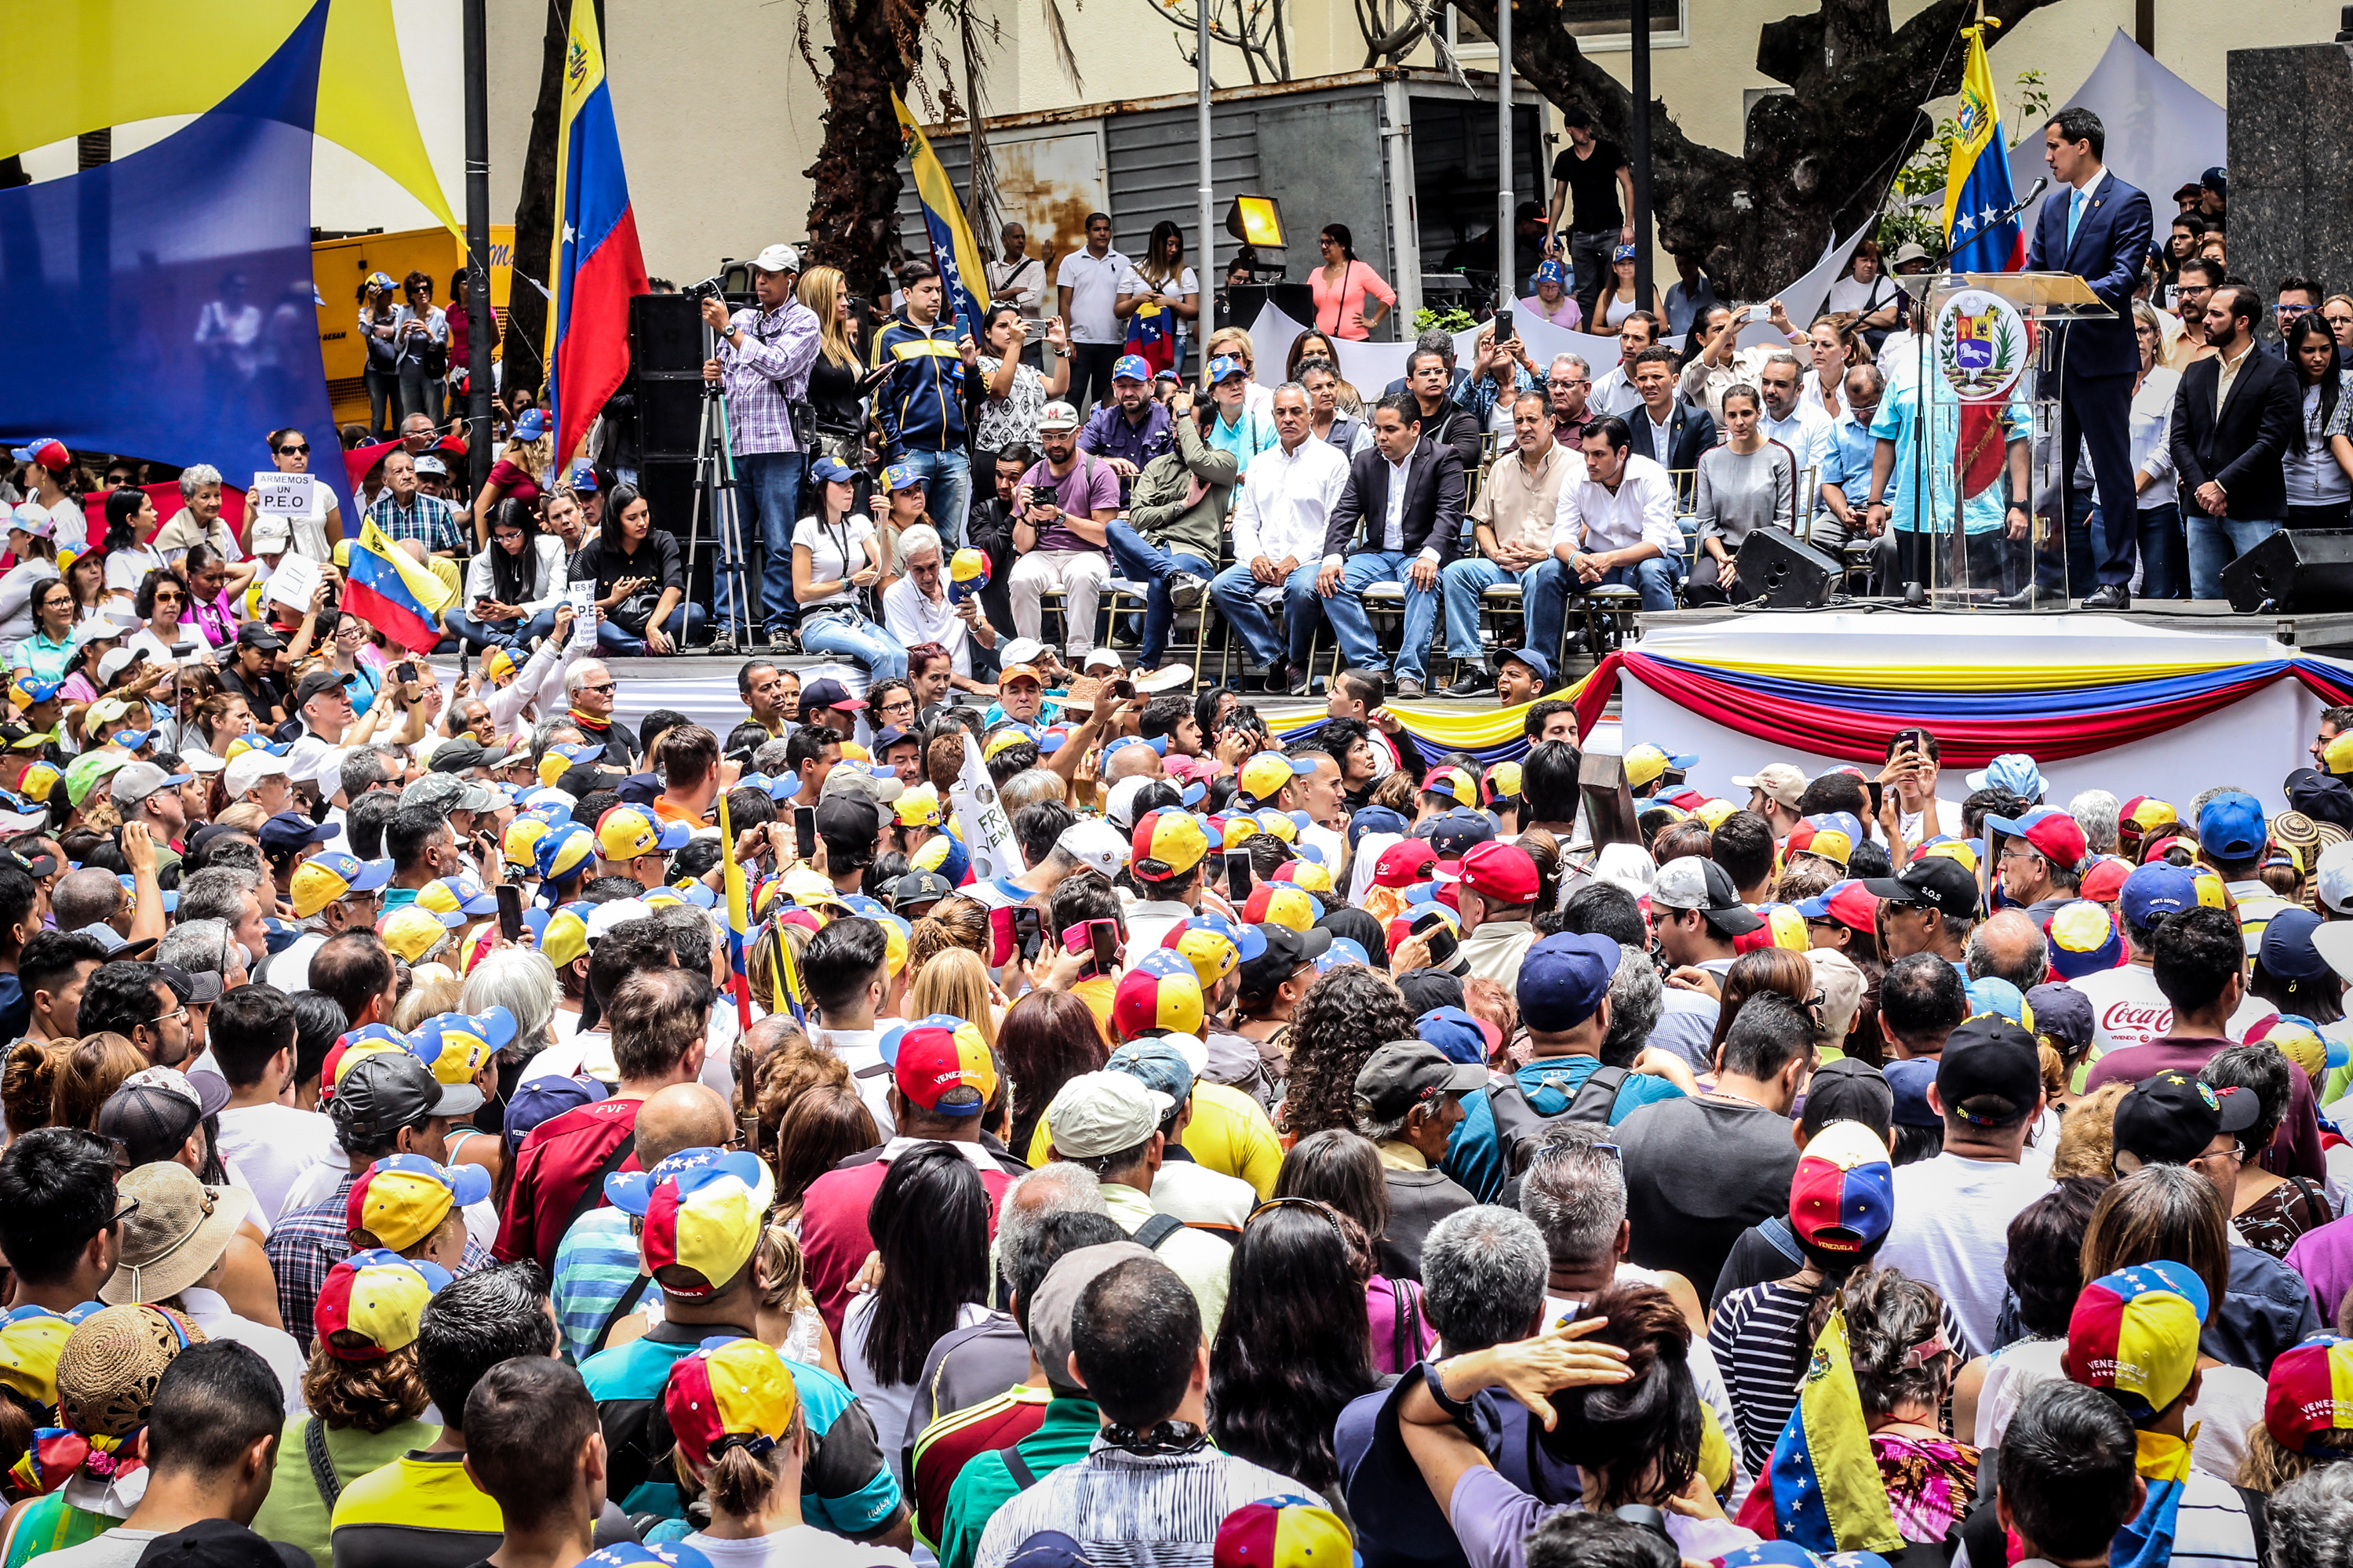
(963,271)
(1827,1494)
(1976,176)
(386,589)
(596,264)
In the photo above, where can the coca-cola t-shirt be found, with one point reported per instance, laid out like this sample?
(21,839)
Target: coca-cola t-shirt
(2128,1009)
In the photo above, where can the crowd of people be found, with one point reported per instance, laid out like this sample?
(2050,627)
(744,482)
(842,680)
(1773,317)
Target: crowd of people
(1259,1151)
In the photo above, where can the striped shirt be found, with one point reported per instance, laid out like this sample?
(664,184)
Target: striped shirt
(595,1264)
(1759,1337)
(1131,1510)
(427,518)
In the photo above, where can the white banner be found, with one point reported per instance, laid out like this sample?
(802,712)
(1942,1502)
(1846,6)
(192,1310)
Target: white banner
(2161,130)
(988,831)
(281,495)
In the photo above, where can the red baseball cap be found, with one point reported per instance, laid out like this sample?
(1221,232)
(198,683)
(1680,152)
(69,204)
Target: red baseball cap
(1401,864)
(1501,872)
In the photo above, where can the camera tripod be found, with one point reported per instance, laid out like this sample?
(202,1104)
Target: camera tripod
(716,488)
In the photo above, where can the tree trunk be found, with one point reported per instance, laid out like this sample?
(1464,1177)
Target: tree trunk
(534,222)
(855,204)
(1816,161)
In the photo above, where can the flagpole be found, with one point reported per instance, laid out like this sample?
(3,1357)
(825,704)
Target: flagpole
(1202,133)
(481,318)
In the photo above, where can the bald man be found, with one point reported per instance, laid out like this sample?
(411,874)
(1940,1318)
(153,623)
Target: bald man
(598,1278)
(1134,759)
(2010,946)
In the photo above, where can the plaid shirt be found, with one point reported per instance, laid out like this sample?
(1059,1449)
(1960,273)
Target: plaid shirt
(427,519)
(779,347)
(305,1246)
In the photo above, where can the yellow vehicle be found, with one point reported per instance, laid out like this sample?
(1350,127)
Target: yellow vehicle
(341,266)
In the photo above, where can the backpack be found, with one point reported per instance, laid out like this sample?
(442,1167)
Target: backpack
(1520,1126)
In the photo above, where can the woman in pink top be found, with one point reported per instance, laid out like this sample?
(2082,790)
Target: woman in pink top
(1341,284)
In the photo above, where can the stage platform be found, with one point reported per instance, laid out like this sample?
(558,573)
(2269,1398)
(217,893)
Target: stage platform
(2328,632)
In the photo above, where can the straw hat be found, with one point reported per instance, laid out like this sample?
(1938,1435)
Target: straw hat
(173,1237)
(109,1369)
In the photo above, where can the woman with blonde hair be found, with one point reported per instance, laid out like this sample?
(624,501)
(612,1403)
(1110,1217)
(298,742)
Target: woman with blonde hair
(956,981)
(838,378)
(524,469)
(1236,343)
(93,1068)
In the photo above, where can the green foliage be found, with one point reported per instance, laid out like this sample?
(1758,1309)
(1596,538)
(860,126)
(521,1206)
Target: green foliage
(1916,208)
(1446,321)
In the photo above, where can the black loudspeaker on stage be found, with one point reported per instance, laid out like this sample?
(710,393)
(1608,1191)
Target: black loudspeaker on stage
(666,365)
(2299,572)
(1790,573)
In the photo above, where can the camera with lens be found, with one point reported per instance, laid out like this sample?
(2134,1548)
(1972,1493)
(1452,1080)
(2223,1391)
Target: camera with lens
(708,289)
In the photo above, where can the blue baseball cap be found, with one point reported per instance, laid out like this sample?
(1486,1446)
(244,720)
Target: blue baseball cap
(1551,272)
(543,1099)
(833,470)
(583,477)
(2156,890)
(1562,980)
(1156,1064)
(1454,834)
(1910,1080)
(2013,771)
(1131,367)
(530,425)
(2230,827)
(1375,819)
(902,476)
(1223,366)
(1455,1032)
(1537,663)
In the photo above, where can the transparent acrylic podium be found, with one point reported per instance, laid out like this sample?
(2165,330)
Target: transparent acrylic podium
(1981,380)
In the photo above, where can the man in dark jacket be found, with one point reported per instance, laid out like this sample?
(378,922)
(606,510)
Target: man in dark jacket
(2232,418)
(1405,493)
(1667,430)
(921,402)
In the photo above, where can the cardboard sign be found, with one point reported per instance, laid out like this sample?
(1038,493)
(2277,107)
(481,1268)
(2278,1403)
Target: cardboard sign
(282,495)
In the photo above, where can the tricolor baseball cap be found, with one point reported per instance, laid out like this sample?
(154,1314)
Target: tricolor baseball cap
(1282,1532)
(2055,836)
(372,1302)
(562,850)
(700,1211)
(415,934)
(1456,783)
(1777,925)
(1830,835)
(729,1392)
(944,1066)
(331,875)
(1160,994)
(2135,1333)
(2142,816)
(1264,775)
(1168,843)
(626,833)
(1646,765)
(457,896)
(45,450)
(2104,879)
(1842,1198)
(1281,904)
(403,1199)
(2084,940)
(1504,782)
(565,939)
(1850,903)
(2309,1398)
(1214,946)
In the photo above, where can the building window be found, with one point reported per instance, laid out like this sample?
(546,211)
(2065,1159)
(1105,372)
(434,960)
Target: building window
(1606,24)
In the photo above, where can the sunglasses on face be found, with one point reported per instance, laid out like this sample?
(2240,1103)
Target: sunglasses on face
(606,686)
(303,451)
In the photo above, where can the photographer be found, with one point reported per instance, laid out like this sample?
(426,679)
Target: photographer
(1009,393)
(764,358)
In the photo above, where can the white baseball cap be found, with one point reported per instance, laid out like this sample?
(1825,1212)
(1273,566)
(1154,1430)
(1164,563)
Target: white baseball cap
(1782,782)
(248,768)
(1058,416)
(1020,651)
(2332,879)
(1094,844)
(779,258)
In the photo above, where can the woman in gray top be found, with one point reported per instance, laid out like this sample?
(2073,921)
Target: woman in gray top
(1748,482)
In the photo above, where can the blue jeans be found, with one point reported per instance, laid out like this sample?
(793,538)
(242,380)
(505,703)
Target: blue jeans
(2215,543)
(475,634)
(948,477)
(2164,569)
(1465,581)
(1545,592)
(774,482)
(1345,611)
(1139,560)
(848,635)
(1233,589)
(685,625)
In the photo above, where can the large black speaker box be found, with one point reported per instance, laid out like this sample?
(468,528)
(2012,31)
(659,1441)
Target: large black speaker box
(1790,573)
(665,334)
(2297,573)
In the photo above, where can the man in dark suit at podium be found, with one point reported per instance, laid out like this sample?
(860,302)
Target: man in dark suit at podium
(2096,225)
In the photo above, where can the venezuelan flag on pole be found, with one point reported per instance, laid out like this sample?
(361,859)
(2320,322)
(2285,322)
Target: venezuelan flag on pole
(1976,177)
(386,589)
(739,919)
(952,250)
(596,264)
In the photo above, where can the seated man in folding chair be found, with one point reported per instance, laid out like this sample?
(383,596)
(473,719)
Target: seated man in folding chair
(1280,513)
(1405,495)
(1059,511)
(1615,526)
(1512,520)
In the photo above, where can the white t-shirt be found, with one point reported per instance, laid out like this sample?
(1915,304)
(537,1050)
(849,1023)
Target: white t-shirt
(1094,285)
(860,1049)
(126,569)
(1948,820)
(1952,1232)
(73,524)
(802,1546)
(2128,1009)
(272,1146)
(911,617)
(835,553)
(210,1312)
(289,967)
(888,1404)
